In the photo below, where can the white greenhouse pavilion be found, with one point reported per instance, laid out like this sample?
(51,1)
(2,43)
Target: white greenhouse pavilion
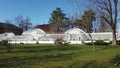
(73,36)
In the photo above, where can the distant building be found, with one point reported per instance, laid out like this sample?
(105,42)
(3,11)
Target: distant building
(44,27)
(6,27)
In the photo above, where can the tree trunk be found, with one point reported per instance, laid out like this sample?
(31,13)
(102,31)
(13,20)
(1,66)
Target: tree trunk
(114,41)
(92,42)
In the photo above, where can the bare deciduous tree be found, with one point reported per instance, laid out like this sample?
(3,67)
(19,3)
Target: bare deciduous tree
(103,26)
(110,10)
(7,26)
(58,40)
(23,23)
(86,22)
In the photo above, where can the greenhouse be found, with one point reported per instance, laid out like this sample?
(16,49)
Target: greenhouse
(6,36)
(72,36)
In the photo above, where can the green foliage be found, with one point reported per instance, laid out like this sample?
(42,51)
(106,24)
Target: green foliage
(7,45)
(37,42)
(96,64)
(4,42)
(66,43)
(57,15)
(118,42)
(89,64)
(86,21)
(57,20)
(88,43)
(59,41)
(98,42)
(116,60)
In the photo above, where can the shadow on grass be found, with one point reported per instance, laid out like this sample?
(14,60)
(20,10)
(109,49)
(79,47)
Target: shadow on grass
(17,61)
(36,56)
(32,49)
(96,64)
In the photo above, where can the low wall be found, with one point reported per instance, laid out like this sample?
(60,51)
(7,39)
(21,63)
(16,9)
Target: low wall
(31,42)
(75,42)
(40,42)
(94,41)
(48,42)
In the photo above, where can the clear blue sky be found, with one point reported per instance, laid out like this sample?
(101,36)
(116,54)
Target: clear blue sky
(38,10)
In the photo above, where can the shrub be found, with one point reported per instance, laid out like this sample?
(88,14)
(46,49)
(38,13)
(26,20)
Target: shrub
(59,41)
(66,43)
(100,42)
(4,42)
(37,42)
(8,45)
(118,42)
(88,43)
(89,64)
(96,64)
(21,43)
(116,60)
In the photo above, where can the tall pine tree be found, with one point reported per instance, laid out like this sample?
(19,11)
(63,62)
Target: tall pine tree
(57,20)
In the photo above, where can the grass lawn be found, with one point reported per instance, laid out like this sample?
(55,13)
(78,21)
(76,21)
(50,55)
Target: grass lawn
(44,56)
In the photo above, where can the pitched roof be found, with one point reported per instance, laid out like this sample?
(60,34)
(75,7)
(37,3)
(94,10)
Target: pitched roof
(6,27)
(44,27)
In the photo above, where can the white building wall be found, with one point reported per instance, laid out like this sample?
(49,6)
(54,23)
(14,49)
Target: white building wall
(74,36)
(75,42)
